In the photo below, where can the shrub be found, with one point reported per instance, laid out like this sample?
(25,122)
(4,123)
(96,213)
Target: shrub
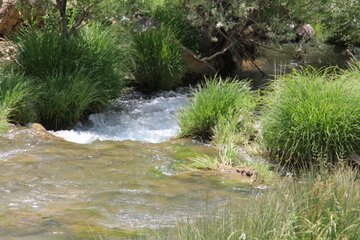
(321,206)
(228,102)
(158,60)
(104,57)
(16,96)
(44,53)
(173,16)
(47,58)
(64,99)
(312,118)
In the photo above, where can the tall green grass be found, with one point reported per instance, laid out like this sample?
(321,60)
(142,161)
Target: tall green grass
(91,59)
(318,206)
(158,61)
(16,97)
(64,99)
(221,106)
(174,16)
(312,118)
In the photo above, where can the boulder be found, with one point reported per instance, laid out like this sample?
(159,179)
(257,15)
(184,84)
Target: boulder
(305,33)
(9,17)
(194,65)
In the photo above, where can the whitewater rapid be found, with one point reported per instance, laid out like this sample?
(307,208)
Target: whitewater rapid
(134,117)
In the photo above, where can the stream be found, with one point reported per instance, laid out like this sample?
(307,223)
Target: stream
(114,176)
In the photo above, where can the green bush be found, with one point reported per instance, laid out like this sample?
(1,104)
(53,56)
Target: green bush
(64,99)
(228,102)
(47,57)
(175,17)
(312,118)
(44,53)
(324,206)
(158,60)
(93,50)
(16,96)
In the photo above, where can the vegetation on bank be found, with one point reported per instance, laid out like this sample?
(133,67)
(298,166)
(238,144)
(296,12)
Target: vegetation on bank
(71,63)
(308,119)
(215,101)
(64,42)
(316,206)
(72,76)
(158,61)
(312,118)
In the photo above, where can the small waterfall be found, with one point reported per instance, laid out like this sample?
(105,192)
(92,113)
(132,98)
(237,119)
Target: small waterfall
(133,117)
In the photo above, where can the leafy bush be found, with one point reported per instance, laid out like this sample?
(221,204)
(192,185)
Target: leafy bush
(312,118)
(158,60)
(323,206)
(228,102)
(16,95)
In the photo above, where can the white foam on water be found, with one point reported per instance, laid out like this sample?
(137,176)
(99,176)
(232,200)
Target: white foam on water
(149,120)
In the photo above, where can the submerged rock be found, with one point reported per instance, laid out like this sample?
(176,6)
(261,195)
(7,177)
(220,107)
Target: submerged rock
(42,133)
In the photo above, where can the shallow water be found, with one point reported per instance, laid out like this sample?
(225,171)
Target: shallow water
(56,189)
(115,176)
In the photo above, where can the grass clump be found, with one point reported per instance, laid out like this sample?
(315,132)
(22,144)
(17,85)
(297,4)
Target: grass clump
(319,206)
(221,104)
(16,95)
(174,16)
(312,118)
(222,110)
(64,99)
(158,61)
(68,70)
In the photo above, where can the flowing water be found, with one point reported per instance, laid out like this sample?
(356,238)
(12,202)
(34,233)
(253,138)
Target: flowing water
(116,174)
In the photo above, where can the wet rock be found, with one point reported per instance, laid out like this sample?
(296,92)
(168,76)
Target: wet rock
(305,33)
(248,172)
(144,23)
(42,133)
(50,223)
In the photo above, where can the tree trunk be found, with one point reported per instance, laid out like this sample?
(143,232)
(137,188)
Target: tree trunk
(61,5)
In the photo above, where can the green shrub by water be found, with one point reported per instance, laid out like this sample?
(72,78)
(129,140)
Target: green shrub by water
(225,101)
(318,206)
(174,16)
(16,96)
(313,118)
(158,60)
(91,59)
(64,99)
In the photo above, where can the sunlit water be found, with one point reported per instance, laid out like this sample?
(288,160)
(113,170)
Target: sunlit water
(107,186)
